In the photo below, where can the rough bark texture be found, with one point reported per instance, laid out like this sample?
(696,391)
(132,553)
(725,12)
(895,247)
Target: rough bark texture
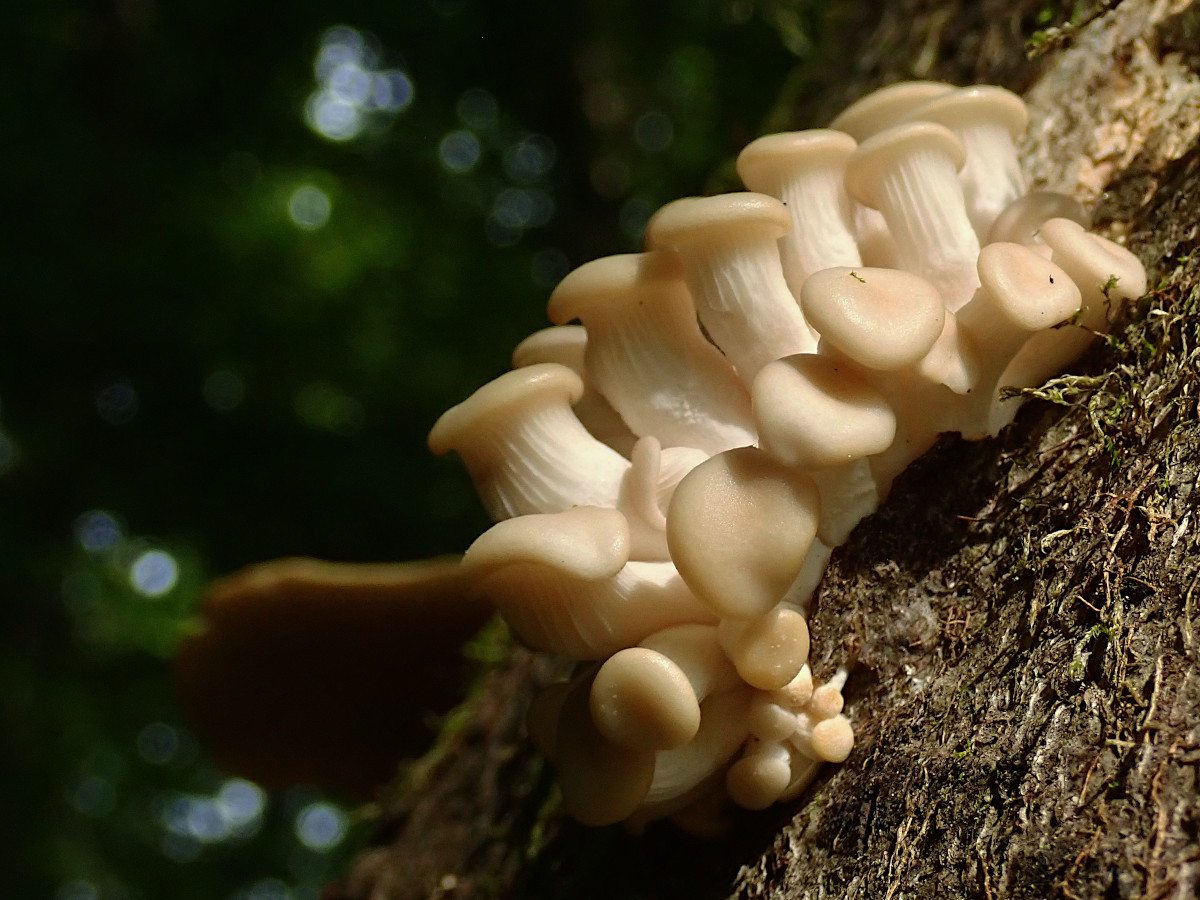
(1020,619)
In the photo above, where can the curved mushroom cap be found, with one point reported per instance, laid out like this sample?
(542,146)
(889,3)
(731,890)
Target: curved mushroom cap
(814,412)
(832,739)
(589,542)
(1094,262)
(716,220)
(738,529)
(562,344)
(603,283)
(760,777)
(968,106)
(602,782)
(876,156)
(1020,221)
(885,107)
(764,164)
(768,650)
(643,699)
(883,319)
(500,399)
(1026,289)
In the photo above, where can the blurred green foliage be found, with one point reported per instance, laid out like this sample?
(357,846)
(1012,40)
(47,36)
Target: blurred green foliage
(225,336)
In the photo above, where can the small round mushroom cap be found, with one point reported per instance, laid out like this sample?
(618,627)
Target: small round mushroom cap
(877,155)
(499,400)
(798,691)
(814,412)
(1021,220)
(832,739)
(697,221)
(760,777)
(602,782)
(595,282)
(768,650)
(768,720)
(642,699)
(738,529)
(885,107)
(883,319)
(1026,289)
(766,163)
(981,103)
(562,344)
(590,542)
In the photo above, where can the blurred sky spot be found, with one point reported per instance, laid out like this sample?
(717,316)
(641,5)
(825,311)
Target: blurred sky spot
(459,151)
(529,158)
(158,743)
(320,826)
(309,207)
(117,403)
(352,91)
(392,91)
(241,802)
(154,573)
(97,531)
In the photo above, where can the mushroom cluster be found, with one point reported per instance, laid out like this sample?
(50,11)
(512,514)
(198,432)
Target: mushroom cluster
(670,477)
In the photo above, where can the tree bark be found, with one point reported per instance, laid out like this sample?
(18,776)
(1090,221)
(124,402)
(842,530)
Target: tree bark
(1020,619)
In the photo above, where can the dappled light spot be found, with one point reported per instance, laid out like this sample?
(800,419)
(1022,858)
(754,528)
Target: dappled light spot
(309,207)
(158,743)
(529,158)
(154,573)
(97,531)
(459,151)
(320,826)
(352,91)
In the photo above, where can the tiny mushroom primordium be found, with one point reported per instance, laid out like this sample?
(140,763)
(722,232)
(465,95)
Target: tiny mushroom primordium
(670,477)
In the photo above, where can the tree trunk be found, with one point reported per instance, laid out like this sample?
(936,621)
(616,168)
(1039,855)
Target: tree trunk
(1019,619)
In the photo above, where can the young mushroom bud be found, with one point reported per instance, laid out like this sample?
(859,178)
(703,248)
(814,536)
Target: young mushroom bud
(988,120)
(761,776)
(731,261)
(738,529)
(805,169)
(649,696)
(828,740)
(646,353)
(566,345)
(910,174)
(768,650)
(564,582)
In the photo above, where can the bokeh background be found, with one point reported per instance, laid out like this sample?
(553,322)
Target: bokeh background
(253,251)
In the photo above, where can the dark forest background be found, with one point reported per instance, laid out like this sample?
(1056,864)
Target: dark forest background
(253,251)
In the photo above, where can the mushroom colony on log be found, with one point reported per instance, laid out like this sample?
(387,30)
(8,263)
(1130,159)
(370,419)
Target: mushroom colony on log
(670,477)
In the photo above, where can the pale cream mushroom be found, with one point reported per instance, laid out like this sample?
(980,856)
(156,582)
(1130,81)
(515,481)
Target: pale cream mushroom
(767,650)
(805,169)
(1107,276)
(1021,293)
(760,777)
(988,120)
(647,355)
(739,527)
(886,107)
(1021,220)
(828,740)
(564,583)
(649,696)
(821,416)
(731,262)
(910,174)
(566,345)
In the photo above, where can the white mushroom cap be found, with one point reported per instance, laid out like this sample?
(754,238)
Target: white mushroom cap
(805,170)
(739,528)
(885,319)
(988,120)
(910,174)
(732,267)
(886,107)
(813,412)
(647,355)
(602,782)
(768,650)
(566,345)
(761,776)
(524,447)
(1021,220)
(563,583)
(649,696)
(830,740)
(770,721)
